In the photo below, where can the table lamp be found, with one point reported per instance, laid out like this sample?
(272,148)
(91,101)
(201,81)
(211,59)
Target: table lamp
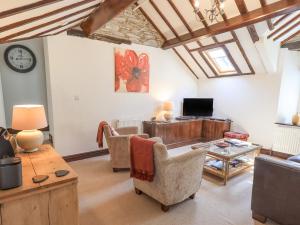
(168,108)
(28,119)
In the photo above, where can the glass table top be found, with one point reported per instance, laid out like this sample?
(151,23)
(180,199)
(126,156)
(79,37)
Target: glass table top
(239,148)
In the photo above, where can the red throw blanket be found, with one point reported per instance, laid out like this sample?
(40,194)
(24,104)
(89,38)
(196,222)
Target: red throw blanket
(142,158)
(100,133)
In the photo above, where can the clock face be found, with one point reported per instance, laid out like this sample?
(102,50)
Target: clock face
(20,58)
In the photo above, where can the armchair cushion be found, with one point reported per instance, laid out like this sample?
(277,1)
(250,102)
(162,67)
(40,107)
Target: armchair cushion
(295,158)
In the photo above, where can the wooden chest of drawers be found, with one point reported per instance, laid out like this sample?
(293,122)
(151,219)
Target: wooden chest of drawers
(52,202)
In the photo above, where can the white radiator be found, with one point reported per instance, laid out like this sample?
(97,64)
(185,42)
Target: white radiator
(287,140)
(129,123)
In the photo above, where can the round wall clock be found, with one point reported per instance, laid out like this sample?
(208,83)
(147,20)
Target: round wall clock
(20,58)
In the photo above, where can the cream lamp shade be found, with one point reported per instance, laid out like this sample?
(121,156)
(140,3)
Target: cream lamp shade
(168,106)
(29,117)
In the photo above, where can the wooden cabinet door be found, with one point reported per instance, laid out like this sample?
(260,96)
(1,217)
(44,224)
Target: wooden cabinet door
(195,129)
(208,130)
(220,128)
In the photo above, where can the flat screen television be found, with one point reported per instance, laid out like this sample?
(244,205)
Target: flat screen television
(198,106)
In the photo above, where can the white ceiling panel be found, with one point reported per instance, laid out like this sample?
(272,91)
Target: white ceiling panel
(231,9)
(252,4)
(224,37)
(203,64)
(207,41)
(172,17)
(193,45)
(154,16)
(238,57)
(52,18)
(189,60)
(187,12)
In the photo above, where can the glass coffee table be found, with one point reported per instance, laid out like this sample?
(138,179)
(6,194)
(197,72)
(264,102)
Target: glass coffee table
(232,158)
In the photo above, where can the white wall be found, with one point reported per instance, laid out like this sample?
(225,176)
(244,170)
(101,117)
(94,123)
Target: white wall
(256,102)
(2,113)
(290,86)
(80,81)
(27,88)
(250,101)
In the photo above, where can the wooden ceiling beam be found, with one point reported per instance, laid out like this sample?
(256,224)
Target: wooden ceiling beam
(45,33)
(251,28)
(187,65)
(290,38)
(235,37)
(201,17)
(58,27)
(296,25)
(22,32)
(292,45)
(165,38)
(252,17)
(107,11)
(188,27)
(164,18)
(253,33)
(25,8)
(269,21)
(43,16)
(211,46)
(281,19)
(241,6)
(283,26)
(152,23)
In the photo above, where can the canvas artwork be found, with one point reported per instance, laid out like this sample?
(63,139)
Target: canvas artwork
(131,71)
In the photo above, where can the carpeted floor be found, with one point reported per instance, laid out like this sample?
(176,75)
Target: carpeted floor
(107,198)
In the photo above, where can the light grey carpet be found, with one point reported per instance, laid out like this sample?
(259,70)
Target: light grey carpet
(107,198)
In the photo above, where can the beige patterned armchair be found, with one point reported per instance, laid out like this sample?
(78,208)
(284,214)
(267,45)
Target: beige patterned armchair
(176,178)
(119,146)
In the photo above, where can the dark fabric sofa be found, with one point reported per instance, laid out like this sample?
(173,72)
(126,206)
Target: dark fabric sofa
(276,190)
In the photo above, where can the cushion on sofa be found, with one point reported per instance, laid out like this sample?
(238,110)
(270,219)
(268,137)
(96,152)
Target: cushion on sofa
(295,158)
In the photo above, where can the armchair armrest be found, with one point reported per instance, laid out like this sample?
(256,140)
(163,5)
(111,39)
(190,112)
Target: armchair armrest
(127,130)
(276,192)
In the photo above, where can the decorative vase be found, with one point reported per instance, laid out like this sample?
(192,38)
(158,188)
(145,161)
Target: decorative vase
(296,119)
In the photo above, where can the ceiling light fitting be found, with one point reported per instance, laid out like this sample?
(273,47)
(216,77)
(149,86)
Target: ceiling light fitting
(216,9)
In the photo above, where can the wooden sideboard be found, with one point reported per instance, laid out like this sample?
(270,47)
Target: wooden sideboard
(52,202)
(184,132)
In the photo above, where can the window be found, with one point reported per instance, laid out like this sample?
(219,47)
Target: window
(220,61)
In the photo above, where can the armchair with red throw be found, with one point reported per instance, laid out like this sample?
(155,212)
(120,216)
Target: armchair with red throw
(119,145)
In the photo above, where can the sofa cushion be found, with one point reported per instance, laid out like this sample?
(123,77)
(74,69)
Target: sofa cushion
(295,158)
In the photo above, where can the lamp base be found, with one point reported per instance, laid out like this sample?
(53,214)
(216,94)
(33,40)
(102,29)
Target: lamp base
(168,115)
(30,140)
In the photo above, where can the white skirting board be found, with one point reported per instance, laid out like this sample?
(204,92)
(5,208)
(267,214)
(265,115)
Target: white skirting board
(287,139)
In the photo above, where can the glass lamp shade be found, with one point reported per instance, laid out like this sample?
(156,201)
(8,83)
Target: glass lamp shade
(29,117)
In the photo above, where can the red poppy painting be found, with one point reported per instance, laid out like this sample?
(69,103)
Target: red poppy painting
(131,71)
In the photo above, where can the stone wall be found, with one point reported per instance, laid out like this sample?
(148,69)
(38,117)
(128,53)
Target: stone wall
(132,25)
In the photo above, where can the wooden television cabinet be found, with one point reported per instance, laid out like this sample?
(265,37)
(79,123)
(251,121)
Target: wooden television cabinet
(184,132)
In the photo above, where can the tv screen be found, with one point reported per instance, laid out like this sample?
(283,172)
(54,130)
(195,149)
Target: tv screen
(198,106)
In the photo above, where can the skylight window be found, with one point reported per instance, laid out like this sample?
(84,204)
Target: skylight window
(220,61)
